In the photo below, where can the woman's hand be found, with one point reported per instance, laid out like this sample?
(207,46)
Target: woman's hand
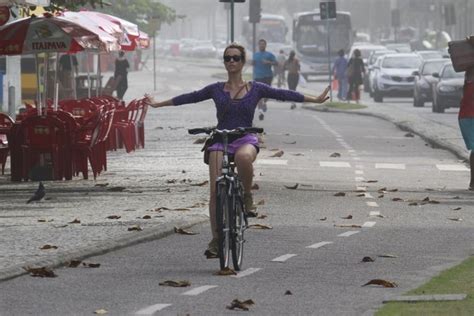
(323,97)
(150,100)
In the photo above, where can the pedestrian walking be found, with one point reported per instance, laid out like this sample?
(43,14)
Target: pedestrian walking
(293,66)
(355,72)
(280,68)
(121,74)
(466,119)
(67,72)
(236,101)
(339,70)
(262,71)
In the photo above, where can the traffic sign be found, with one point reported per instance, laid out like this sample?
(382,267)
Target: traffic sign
(327,10)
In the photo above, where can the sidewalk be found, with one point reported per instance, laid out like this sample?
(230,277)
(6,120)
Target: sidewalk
(446,136)
(165,174)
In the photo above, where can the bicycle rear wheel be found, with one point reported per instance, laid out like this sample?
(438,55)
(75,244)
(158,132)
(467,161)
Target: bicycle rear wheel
(238,228)
(223,225)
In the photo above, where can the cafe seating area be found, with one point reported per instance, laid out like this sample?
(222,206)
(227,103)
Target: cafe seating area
(71,139)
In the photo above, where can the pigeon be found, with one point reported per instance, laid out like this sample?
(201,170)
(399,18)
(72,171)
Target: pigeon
(39,194)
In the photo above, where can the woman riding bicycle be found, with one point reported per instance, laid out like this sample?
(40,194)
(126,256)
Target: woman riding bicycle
(236,101)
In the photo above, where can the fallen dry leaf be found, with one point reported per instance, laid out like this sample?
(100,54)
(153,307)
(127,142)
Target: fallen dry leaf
(242,305)
(409,135)
(201,140)
(260,226)
(198,204)
(75,221)
(347,217)
(288,292)
(348,225)
(397,199)
(361,191)
(226,271)
(290,143)
(255,187)
(159,209)
(278,154)
(381,282)
(367,259)
(101,184)
(360,195)
(263,216)
(335,155)
(47,247)
(298,154)
(292,187)
(382,190)
(340,194)
(146,217)
(73,263)
(113,217)
(381,196)
(413,204)
(456,197)
(387,256)
(181,231)
(91,265)
(274,149)
(201,184)
(181,283)
(323,219)
(392,190)
(42,220)
(457,208)
(100,311)
(371,181)
(261,202)
(116,189)
(135,228)
(43,272)
(455,219)
(181,209)
(171,181)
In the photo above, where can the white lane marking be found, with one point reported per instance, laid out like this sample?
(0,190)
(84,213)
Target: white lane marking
(359,166)
(356,158)
(374,213)
(368,224)
(349,233)
(457,167)
(372,204)
(319,244)
(361,188)
(335,164)
(368,196)
(199,290)
(359,179)
(271,162)
(398,166)
(150,310)
(359,172)
(284,257)
(246,272)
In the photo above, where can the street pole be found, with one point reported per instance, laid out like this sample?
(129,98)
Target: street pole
(154,60)
(232,21)
(329,53)
(254,37)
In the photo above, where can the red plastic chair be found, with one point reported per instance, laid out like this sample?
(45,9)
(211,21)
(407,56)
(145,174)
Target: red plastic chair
(125,127)
(6,123)
(140,124)
(43,135)
(99,149)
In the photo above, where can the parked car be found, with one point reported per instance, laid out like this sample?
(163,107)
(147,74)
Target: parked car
(399,47)
(430,54)
(447,92)
(394,76)
(423,91)
(203,49)
(370,64)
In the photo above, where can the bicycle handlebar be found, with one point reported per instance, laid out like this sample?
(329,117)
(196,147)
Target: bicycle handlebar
(236,131)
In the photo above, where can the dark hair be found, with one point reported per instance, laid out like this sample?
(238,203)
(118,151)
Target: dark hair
(341,52)
(121,53)
(356,53)
(292,55)
(239,47)
(262,40)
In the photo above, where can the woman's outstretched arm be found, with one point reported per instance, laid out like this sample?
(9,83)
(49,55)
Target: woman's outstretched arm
(193,97)
(288,95)
(154,104)
(323,97)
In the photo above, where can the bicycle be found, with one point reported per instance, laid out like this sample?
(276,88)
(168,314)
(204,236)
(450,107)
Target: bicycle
(231,216)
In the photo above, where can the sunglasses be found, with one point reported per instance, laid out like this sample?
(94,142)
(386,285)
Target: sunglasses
(235,58)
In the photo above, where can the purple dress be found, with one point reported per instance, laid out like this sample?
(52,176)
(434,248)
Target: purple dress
(239,112)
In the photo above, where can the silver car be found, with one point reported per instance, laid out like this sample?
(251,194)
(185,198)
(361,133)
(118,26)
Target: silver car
(394,75)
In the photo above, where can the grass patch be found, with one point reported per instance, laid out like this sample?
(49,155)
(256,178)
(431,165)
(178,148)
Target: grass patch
(344,106)
(457,280)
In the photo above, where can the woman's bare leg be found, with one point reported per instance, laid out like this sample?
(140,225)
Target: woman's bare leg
(244,158)
(215,166)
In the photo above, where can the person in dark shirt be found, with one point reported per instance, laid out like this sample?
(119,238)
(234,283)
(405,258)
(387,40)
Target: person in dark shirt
(355,73)
(120,74)
(68,68)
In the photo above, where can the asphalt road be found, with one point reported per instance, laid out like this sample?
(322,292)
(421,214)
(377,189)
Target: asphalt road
(306,252)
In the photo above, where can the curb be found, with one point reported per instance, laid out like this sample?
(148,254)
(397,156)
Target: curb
(103,247)
(404,126)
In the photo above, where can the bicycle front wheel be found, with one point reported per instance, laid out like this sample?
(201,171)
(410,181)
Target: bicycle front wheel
(239,226)
(223,224)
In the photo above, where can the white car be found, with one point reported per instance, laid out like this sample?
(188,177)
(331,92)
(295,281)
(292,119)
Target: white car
(394,75)
(365,50)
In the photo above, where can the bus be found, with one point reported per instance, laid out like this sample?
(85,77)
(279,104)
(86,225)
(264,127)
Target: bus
(310,40)
(272,28)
